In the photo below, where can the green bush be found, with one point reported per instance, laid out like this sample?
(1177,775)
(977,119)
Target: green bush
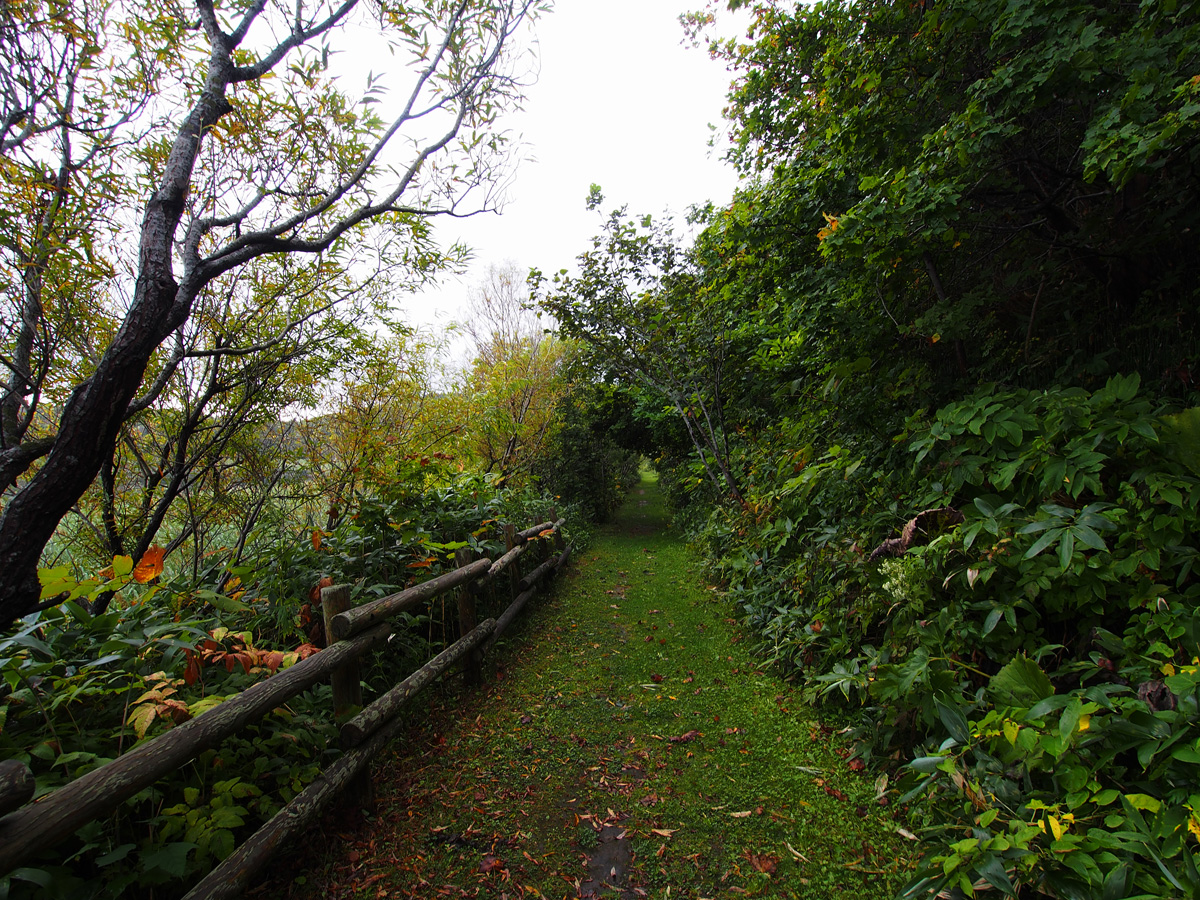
(80,689)
(1032,638)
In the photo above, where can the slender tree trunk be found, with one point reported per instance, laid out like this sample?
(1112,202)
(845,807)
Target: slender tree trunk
(93,414)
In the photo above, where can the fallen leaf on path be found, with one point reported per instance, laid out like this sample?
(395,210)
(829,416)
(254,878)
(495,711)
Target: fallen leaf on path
(663,832)
(765,863)
(491,864)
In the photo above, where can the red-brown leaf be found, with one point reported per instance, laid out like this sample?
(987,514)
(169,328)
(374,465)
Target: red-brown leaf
(491,864)
(191,673)
(764,862)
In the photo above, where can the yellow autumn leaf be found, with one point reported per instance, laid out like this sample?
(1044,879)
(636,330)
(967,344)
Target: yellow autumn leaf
(1085,722)
(141,718)
(1055,827)
(831,225)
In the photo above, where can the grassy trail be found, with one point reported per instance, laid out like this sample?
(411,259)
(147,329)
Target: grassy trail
(626,745)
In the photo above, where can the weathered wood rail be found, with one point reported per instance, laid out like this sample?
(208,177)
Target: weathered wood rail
(27,828)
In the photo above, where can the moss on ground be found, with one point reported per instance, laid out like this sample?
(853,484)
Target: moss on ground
(627,744)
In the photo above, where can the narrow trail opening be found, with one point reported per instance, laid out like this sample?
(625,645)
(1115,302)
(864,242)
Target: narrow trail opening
(627,744)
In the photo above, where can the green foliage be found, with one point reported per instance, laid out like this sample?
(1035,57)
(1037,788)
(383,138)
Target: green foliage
(957,301)
(79,688)
(1039,655)
(1015,185)
(586,463)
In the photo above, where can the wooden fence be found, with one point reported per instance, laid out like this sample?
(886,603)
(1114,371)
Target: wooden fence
(28,828)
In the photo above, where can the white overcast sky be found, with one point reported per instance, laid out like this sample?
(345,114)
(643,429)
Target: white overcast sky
(621,101)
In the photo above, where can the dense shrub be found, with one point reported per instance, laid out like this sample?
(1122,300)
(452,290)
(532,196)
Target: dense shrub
(1032,638)
(80,689)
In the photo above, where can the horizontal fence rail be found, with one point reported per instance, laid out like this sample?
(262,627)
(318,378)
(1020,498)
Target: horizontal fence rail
(352,621)
(57,815)
(27,828)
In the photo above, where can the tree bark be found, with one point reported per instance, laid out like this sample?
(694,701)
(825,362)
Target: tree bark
(92,416)
(16,785)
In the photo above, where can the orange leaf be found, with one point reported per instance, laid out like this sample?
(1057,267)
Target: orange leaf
(315,594)
(831,227)
(304,651)
(316,538)
(150,566)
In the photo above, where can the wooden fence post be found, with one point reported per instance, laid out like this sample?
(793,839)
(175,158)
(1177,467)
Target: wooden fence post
(514,572)
(347,691)
(548,546)
(472,667)
(559,543)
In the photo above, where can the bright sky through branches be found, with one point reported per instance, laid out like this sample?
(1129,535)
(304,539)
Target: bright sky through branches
(622,101)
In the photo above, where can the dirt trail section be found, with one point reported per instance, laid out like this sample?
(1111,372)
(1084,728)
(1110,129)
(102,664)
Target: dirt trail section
(626,745)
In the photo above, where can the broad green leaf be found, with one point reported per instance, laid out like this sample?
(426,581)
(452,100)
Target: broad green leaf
(1020,683)
(993,872)
(228,604)
(926,764)
(1050,704)
(1070,718)
(955,722)
(1087,537)
(1043,542)
(171,859)
(993,619)
(1066,549)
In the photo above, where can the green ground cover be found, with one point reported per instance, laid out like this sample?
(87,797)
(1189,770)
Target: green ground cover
(627,743)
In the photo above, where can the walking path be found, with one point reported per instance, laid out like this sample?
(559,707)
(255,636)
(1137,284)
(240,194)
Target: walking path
(626,745)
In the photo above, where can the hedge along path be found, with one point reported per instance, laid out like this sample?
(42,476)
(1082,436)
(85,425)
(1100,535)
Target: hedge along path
(629,745)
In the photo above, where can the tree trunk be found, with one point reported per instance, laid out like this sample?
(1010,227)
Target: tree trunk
(92,416)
